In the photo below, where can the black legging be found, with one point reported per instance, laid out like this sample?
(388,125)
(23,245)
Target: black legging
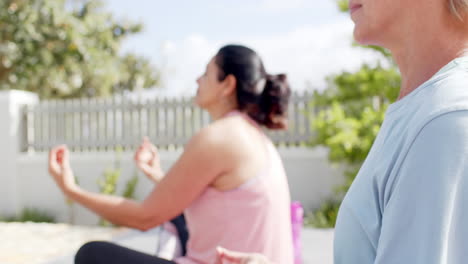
(182,231)
(105,252)
(108,253)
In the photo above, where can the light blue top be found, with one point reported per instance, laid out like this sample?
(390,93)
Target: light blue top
(409,201)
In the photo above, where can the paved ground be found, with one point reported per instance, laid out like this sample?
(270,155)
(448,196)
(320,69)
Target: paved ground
(56,244)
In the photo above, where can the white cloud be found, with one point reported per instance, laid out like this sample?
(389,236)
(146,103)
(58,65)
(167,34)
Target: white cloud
(184,62)
(307,55)
(311,53)
(281,5)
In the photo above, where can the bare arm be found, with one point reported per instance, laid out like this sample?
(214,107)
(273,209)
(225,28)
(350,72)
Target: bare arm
(202,161)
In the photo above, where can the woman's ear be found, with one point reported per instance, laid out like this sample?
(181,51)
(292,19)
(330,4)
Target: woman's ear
(229,84)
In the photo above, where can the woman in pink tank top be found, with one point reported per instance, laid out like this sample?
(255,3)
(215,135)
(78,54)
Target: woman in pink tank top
(229,181)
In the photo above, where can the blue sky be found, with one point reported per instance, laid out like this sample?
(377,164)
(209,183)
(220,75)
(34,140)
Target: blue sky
(306,39)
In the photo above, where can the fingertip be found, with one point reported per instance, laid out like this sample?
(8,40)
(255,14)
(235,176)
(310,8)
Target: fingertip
(221,255)
(65,150)
(53,151)
(220,250)
(153,148)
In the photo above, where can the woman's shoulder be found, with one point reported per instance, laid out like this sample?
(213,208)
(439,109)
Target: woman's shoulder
(223,132)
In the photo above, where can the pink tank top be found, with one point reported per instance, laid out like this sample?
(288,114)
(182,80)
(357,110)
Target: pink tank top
(255,217)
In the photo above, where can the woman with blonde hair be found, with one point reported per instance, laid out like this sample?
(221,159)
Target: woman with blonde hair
(408,203)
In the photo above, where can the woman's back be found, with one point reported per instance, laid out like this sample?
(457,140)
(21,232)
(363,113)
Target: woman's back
(254,214)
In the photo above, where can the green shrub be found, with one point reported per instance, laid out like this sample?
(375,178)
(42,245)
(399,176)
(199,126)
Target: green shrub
(30,215)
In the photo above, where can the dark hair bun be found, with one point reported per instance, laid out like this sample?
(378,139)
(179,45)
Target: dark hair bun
(274,102)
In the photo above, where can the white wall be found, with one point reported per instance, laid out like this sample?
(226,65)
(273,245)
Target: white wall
(311,179)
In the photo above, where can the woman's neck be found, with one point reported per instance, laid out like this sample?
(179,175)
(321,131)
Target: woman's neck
(221,109)
(423,54)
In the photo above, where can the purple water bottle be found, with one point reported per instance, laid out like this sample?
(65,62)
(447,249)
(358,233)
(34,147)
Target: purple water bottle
(297,218)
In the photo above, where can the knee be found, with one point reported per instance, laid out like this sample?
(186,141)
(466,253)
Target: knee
(89,252)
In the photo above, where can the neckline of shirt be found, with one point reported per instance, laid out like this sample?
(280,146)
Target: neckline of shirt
(442,73)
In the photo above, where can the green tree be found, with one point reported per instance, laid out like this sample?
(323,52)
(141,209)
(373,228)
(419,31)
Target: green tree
(351,111)
(66,49)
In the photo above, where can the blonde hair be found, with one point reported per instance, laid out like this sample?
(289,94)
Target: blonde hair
(458,7)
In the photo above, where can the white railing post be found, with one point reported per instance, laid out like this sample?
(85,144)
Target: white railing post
(11,136)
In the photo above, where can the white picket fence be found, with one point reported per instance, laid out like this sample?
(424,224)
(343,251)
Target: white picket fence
(105,124)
